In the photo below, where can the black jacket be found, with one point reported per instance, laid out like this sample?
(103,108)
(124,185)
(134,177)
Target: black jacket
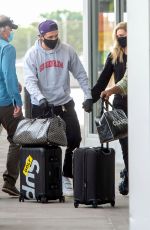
(118,69)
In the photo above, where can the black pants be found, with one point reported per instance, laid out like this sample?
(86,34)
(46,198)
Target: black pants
(123,141)
(13,156)
(68,114)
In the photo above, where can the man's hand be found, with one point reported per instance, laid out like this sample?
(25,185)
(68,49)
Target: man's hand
(43,103)
(17,111)
(87,105)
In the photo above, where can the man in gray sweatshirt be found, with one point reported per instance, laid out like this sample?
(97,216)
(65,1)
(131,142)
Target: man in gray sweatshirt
(46,69)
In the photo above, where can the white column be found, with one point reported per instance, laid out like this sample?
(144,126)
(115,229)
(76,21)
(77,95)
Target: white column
(139,112)
(64,26)
(86,57)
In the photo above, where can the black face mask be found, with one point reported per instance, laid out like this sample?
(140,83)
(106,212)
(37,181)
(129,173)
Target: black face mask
(122,41)
(50,43)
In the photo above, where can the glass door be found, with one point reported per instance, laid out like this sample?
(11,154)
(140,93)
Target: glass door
(104,15)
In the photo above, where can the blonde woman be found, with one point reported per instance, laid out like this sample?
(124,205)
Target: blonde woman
(116,64)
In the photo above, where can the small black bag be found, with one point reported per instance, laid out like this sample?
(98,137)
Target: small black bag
(111,125)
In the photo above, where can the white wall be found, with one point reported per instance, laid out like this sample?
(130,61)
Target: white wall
(139,112)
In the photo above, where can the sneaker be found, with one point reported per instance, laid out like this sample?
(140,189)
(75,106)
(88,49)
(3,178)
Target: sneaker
(11,190)
(123,187)
(67,186)
(123,173)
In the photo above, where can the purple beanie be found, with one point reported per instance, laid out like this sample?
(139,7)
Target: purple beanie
(47,26)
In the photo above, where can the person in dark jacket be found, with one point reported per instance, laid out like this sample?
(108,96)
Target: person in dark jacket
(116,65)
(10,102)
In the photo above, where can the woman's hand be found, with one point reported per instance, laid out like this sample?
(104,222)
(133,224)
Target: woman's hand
(106,94)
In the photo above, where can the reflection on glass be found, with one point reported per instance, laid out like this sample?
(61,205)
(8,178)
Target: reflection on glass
(106,21)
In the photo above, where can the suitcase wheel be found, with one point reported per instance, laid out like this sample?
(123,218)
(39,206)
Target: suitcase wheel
(112,203)
(44,199)
(21,198)
(94,205)
(62,199)
(76,204)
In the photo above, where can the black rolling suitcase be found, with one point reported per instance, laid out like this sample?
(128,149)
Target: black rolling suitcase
(94,176)
(41,173)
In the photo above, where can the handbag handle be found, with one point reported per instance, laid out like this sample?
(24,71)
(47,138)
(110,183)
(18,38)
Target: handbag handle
(51,107)
(106,103)
(46,112)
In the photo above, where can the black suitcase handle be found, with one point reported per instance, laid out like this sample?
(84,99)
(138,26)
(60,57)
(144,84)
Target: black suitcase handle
(102,101)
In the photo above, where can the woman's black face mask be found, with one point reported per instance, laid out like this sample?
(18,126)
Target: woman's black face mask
(50,43)
(122,41)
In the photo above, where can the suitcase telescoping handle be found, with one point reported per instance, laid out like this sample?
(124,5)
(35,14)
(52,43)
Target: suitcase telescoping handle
(102,108)
(107,146)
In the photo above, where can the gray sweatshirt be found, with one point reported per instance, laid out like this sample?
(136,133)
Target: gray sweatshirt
(46,73)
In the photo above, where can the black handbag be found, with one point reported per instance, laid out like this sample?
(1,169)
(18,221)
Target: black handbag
(111,125)
(41,131)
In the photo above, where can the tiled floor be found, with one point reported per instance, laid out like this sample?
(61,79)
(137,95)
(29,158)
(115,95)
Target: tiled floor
(54,215)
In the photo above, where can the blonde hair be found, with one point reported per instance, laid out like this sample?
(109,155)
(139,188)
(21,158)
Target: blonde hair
(117,51)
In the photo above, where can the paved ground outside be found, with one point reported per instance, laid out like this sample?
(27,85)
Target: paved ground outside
(59,216)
